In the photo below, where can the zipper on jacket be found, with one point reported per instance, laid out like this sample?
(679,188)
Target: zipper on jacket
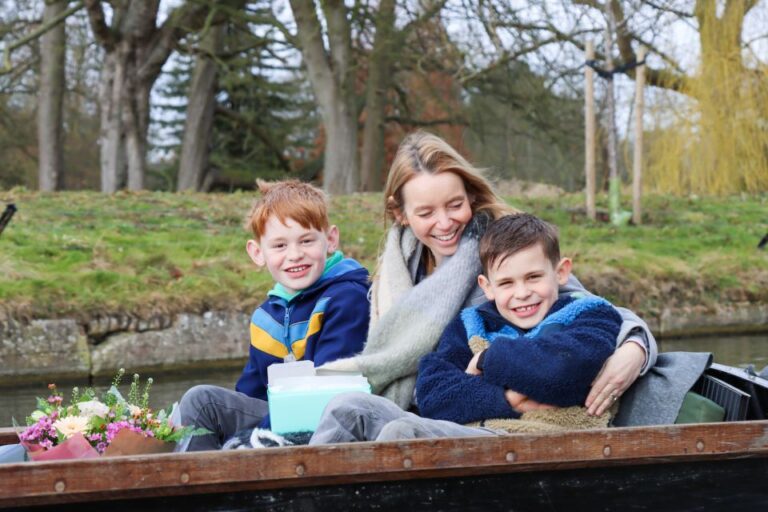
(286,335)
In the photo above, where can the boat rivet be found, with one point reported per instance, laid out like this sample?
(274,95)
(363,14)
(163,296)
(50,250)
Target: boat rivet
(700,445)
(300,469)
(59,486)
(184,478)
(407,463)
(511,456)
(607,451)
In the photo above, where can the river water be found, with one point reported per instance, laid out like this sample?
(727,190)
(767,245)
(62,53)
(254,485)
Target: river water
(18,402)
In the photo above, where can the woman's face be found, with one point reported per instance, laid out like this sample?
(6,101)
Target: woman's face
(436,206)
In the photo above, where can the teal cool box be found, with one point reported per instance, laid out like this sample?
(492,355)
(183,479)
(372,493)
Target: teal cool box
(296,403)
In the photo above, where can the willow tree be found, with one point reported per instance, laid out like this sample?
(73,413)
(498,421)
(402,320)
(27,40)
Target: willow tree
(716,143)
(722,98)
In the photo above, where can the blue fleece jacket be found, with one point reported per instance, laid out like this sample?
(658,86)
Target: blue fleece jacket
(553,363)
(325,322)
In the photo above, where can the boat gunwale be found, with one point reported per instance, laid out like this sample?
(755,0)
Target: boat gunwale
(38,483)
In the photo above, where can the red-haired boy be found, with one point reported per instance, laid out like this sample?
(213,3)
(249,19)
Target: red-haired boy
(318,309)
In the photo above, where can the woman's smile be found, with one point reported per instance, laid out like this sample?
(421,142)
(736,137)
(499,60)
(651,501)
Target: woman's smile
(437,209)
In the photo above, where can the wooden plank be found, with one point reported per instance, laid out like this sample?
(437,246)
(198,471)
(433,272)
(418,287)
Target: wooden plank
(8,436)
(276,468)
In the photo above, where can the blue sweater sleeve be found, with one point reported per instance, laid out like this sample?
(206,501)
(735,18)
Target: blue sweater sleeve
(345,324)
(445,392)
(251,381)
(558,365)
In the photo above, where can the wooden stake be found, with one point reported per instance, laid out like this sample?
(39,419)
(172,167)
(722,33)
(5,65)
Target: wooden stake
(637,167)
(614,186)
(589,130)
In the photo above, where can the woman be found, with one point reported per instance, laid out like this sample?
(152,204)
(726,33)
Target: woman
(439,205)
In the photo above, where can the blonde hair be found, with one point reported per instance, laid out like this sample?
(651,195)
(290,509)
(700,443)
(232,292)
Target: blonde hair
(424,152)
(305,204)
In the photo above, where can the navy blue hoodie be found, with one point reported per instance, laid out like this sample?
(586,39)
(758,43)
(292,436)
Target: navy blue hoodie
(325,322)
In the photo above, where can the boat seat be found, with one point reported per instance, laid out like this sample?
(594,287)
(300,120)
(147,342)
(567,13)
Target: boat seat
(733,400)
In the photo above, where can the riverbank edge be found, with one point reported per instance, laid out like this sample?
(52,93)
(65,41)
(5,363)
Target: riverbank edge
(65,350)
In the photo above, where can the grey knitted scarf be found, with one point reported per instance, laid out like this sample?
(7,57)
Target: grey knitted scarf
(407,320)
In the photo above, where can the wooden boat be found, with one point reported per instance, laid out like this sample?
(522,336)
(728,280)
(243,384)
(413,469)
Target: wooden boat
(679,467)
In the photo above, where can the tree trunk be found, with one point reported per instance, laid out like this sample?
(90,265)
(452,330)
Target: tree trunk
(135,51)
(332,80)
(340,161)
(112,149)
(136,109)
(379,79)
(50,124)
(196,147)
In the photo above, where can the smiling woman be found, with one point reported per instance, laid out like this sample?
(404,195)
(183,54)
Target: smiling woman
(436,207)
(440,205)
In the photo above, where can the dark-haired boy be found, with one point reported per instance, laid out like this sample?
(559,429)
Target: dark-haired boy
(543,350)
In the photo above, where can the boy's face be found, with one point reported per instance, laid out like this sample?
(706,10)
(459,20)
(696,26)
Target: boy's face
(294,255)
(524,286)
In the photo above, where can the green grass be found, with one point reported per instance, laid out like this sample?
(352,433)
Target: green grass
(81,254)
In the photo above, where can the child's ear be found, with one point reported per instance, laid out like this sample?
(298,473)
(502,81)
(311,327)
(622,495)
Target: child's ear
(485,284)
(333,239)
(253,249)
(564,270)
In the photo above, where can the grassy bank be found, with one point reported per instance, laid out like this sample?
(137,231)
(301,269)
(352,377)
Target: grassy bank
(81,254)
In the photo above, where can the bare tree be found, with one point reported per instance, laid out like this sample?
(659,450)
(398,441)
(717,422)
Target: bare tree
(377,87)
(50,124)
(195,146)
(331,73)
(135,50)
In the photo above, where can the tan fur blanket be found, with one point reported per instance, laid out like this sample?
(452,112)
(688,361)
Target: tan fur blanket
(544,420)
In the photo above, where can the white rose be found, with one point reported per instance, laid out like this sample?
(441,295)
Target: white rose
(92,408)
(71,425)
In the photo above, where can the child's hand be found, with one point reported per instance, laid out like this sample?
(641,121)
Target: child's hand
(472,366)
(522,403)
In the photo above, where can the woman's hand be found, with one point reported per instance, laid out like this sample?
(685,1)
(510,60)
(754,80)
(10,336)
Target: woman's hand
(619,372)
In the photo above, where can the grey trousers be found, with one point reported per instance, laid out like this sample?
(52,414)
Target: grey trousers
(222,411)
(351,417)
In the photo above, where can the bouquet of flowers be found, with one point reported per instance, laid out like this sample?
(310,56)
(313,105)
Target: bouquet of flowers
(91,426)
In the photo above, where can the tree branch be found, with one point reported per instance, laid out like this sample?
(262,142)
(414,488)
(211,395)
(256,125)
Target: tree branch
(7,65)
(104,35)
(259,132)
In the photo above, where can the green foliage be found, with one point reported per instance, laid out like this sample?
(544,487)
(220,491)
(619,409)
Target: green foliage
(521,129)
(264,111)
(80,254)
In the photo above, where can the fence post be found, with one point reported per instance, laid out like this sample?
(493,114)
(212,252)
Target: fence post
(589,130)
(637,167)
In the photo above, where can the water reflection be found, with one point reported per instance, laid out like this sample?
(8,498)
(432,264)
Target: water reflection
(19,402)
(730,350)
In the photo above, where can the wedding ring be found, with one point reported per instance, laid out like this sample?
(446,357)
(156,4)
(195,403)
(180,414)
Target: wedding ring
(614,397)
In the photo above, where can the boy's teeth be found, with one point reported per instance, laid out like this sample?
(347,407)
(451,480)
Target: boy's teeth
(297,269)
(523,309)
